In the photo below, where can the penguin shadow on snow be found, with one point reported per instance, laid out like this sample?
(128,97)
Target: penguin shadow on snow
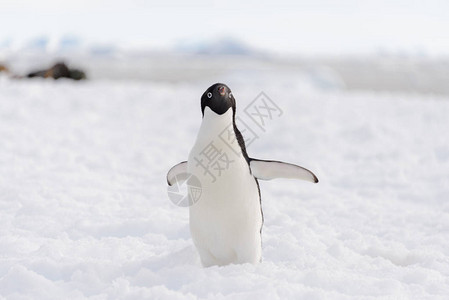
(226,220)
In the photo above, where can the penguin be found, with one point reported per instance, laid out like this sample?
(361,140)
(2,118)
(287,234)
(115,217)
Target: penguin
(226,222)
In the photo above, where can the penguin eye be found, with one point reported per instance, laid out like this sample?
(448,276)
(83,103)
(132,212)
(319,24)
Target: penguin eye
(230,94)
(209,95)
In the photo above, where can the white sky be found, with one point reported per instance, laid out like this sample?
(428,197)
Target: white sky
(307,27)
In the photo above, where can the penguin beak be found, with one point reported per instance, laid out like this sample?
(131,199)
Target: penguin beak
(222,90)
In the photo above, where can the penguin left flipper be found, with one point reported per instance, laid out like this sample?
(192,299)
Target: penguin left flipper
(176,170)
(270,169)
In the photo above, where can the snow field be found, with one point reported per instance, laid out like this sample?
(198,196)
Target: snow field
(84,212)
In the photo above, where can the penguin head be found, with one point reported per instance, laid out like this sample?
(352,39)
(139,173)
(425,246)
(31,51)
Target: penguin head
(218,98)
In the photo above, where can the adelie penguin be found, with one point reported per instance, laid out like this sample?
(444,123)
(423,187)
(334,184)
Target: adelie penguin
(226,222)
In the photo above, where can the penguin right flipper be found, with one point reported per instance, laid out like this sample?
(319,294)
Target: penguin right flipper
(176,170)
(270,169)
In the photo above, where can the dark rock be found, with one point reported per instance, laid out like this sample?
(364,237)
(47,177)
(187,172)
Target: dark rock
(3,68)
(59,70)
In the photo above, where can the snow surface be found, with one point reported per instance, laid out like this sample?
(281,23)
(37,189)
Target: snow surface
(84,212)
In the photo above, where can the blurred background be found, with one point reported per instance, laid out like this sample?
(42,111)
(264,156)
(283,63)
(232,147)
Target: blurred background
(329,45)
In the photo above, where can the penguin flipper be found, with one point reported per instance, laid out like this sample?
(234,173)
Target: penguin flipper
(176,170)
(270,169)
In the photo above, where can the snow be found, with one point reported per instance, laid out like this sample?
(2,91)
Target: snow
(84,211)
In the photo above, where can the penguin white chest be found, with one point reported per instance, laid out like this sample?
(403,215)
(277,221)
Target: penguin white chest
(226,220)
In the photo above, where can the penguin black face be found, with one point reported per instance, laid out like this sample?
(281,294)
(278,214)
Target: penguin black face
(218,98)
